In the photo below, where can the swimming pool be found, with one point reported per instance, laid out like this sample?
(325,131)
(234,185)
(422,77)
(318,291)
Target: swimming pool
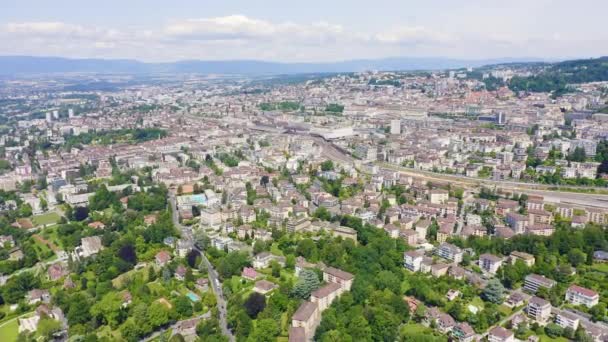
(193,297)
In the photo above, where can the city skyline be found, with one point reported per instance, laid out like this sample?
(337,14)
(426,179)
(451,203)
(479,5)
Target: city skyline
(317,32)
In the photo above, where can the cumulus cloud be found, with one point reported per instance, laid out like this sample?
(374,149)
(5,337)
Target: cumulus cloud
(240,27)
(414,35)
(221,28)
(52,29)
(239,36)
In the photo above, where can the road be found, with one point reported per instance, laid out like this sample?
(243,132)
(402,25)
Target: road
(213,275)
(508,318)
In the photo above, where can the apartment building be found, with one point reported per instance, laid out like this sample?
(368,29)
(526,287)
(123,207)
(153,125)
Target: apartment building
(566,319)
(533,282)
(527,259)
(307,318)
(578,295)
(490,263)
(334,275)
(449,252)
(500,334)
(539,309)
(412,260)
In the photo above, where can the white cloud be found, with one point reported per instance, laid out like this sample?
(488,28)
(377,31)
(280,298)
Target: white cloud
(239,27)
(414,35)
(242,37)
(221,28)
(51,29)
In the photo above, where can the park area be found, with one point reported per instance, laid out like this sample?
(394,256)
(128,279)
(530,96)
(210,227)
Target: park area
(9,330)
(46,219)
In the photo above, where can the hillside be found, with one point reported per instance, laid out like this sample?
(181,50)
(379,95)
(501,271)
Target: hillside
(15,65)
(556,77)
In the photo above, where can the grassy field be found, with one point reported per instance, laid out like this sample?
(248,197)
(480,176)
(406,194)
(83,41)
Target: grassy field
(9,331)
(48,218)
(505,310)
(600,267)
(119,282)
(106,331)
(478,302)
(545,338)
(414,331)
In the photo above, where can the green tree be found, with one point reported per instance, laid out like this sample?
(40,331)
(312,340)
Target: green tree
(255,304)
(266,330)
(598,312)
(47,327)
(109,308)
(183,306)
(576,257)
(308,281)
(553,330)
(578,155)
(493,291)
(308,249)
(327,165)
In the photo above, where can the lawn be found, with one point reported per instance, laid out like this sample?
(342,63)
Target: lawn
(119,281)
(415,328)
(51,235)
(44,219)
(545,338)
(106,331)
(9,331)
(505,310)
(414,331)
(478,302)
(43,250)
(600,267)
(274,249)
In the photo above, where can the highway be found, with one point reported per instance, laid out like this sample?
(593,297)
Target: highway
(213,275)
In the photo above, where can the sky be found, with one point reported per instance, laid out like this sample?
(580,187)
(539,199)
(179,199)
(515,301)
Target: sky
(304,31)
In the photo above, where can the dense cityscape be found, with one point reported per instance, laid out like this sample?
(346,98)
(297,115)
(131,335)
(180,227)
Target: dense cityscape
(362,206)
(240,178)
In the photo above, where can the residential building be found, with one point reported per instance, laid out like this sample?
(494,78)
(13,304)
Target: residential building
(539,309)
(264,286)
(533,282)
(490,263)
(306,317)
(325,295)
(527,259)
(500,334)
(412,260)
(567,319)
(334,275)
(578,295)
(463,332)
(450,252)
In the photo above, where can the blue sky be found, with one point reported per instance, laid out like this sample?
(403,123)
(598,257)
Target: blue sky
(154,30)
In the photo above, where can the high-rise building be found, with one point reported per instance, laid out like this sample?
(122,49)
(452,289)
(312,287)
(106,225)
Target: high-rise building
(71,113)
(501,118)
(56,114)
(395,126)
(49,117)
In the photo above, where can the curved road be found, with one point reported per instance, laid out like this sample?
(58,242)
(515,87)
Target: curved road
(213,276)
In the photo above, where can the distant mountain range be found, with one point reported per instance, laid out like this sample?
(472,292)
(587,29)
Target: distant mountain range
(15,65)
